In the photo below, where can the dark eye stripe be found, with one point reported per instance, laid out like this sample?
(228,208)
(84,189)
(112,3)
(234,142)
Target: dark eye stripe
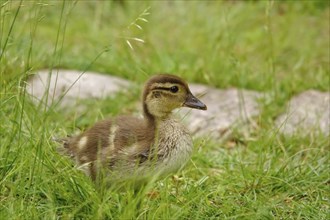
(163,88)
(173,89)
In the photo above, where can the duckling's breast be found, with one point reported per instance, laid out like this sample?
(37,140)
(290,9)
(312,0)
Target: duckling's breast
(174,144)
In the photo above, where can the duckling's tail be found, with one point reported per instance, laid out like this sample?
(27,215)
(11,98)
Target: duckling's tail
(63,147)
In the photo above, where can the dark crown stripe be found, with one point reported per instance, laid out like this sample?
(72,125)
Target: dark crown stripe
(169,80)
(166,78)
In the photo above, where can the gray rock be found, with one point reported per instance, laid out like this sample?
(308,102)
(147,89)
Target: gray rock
(227,109)
(307,113)
(69,86)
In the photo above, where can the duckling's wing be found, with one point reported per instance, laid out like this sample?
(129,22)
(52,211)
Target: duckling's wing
(133,138)
(115,142)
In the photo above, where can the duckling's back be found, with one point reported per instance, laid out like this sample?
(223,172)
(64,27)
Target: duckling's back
(109,143)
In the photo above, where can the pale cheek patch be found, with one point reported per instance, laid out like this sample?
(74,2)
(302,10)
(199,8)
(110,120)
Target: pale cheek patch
(82,143)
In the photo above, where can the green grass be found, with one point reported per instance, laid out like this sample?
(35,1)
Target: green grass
(278,47)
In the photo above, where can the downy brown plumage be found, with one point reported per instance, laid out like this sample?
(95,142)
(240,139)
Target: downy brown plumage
(126,146)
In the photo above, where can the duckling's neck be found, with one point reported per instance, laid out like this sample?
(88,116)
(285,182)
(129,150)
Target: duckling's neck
(155,116)
(157,120)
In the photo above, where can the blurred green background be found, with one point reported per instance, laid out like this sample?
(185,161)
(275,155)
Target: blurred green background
(260,45)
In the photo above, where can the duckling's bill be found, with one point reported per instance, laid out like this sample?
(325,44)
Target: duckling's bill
(193,102)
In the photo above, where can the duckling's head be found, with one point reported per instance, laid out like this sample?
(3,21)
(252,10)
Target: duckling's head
(164,92)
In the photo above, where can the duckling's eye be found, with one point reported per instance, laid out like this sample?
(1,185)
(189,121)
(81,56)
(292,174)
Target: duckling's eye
(174,89)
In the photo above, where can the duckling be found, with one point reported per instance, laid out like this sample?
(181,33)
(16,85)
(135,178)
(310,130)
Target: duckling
(126,147)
